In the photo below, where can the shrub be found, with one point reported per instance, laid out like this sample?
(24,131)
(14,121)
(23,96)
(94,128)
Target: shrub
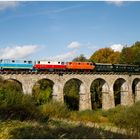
(42,92)
(112,113)
(43,96)
(19,106)
(54,109)
(127,118)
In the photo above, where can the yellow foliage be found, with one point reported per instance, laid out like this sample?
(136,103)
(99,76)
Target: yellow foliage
(105,55)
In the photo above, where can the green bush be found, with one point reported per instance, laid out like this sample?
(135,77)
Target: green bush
(19,106)
(129,119)
(71,94)
(42,92)
(125,117)
(54,109)
(112,113)
(43,96)
(15,105)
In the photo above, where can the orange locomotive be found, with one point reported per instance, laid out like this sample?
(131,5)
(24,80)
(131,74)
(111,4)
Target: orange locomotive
(85,66)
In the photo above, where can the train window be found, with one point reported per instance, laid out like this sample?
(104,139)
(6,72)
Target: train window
(38,62)
(70,63)
(79,63)
(87,63)
(62,62)
(0,60)
(58,62)
(25,61)
(30,62)
(91,64)
(13,61)
(49,62)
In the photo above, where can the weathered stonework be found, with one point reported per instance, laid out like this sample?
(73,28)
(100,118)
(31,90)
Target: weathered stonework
(127,98)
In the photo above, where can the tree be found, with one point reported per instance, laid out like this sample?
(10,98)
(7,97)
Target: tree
(96,94)
(127,56)
(42,91)
(136,50)
(131,55)
(80,58)
(10,92)
(105,55)
(71,94)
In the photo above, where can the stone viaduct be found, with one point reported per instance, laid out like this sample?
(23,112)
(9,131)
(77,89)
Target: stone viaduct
(107,81)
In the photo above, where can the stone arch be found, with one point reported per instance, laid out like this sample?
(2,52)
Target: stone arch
(44,87)
(120,88)
(136,89)
(72,90)
(19,87)
(99,89)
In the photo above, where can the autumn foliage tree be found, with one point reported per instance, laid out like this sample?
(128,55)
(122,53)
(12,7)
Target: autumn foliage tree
(131,55)
(80,58)
(105,55)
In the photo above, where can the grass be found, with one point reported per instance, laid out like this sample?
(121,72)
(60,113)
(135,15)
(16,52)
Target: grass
(88,116)
(129,119)
(20,117)
(31,127)
(15,129)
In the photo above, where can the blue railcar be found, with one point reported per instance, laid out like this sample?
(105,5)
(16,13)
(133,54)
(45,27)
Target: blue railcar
(7,64)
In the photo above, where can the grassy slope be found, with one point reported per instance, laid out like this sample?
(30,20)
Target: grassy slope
(15,107)
(53,129)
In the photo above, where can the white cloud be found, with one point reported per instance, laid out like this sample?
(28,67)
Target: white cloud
(8,4)
(116,2)
(17,52)
(63,57)
(117,47)
(69,55)
(74,45)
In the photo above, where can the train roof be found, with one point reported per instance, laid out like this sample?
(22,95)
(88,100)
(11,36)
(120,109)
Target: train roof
(125,65)
(78,62)
(49,61)
(103,64)
(15,60)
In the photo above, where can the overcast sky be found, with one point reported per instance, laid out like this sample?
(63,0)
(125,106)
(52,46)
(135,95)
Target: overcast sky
(64,30)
